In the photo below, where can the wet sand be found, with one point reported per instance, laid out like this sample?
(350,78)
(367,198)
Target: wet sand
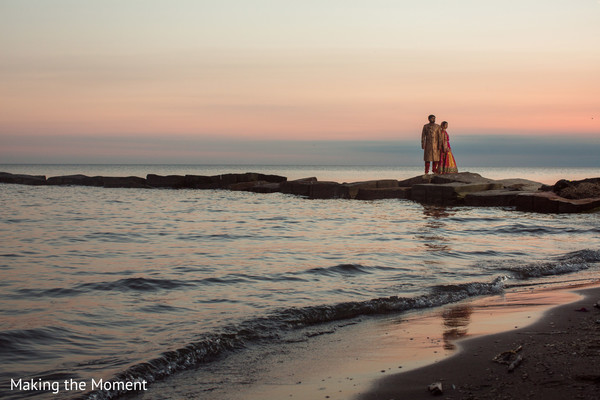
(561,360)
(397,357)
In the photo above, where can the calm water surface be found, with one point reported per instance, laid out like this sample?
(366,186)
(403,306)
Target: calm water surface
(130,283)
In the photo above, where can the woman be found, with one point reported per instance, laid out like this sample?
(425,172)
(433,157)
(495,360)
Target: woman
(447,163)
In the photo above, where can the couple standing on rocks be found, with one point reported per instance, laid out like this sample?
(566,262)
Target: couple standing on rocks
(436,145)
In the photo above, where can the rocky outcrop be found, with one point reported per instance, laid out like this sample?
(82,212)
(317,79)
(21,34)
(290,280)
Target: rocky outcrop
(460,177)
(451,189)
(492,198)
(298,187)
(226,180)
(22,179)
(76,180)
(420,179)
(268,187)
(550,202)
(354,188)
(384,193)
(246,186)
(463,188)
(198,182)
(449,193)
(576,190)
(518,184)
(505,197)
(328,190)
(125,182)
(169,181)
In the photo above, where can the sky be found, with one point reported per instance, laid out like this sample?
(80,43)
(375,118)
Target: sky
(271,81)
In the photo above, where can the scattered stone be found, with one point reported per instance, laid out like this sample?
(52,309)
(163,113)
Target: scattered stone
(506,356)
(515,363)
(435,388)
(512,358)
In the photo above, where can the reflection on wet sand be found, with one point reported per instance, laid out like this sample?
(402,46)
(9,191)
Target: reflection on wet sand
(456,321)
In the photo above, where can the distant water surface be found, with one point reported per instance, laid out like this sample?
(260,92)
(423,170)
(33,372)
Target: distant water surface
(103,283)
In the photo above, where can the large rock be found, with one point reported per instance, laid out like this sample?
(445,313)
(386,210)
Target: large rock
(266,187)
(298,187)
(328,190)
(124,182)
(417,180)
(502,197)
(549,202)
(169,181)
(461,177)
(583,189)
(519,184)
(492,198)
(77,180)
(253,176)
(246,186)
(383,193)
(449,193)
(355,187)
(6,177)
(313,189)
(226,180)
(198,182)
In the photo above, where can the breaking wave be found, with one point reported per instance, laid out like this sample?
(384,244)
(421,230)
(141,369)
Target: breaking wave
(271,328)
(565,264)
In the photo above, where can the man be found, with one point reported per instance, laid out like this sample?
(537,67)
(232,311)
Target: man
(431,138)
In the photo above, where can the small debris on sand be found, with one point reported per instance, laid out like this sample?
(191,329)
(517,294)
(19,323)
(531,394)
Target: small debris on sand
(435,388)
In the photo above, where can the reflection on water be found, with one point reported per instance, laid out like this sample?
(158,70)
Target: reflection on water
(436,212)
(434,229)
(456,321)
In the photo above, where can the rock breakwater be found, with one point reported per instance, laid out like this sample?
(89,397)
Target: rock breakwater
(463,188)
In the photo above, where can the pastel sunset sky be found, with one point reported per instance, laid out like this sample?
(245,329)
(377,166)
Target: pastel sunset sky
(211,80)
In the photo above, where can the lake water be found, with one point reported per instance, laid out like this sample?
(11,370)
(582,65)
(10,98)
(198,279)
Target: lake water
(118,284)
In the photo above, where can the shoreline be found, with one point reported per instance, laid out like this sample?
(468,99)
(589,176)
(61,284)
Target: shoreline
(561,359)
(371,358)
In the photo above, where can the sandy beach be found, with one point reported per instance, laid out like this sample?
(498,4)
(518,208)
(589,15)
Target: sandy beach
(560,360)
(397,357)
